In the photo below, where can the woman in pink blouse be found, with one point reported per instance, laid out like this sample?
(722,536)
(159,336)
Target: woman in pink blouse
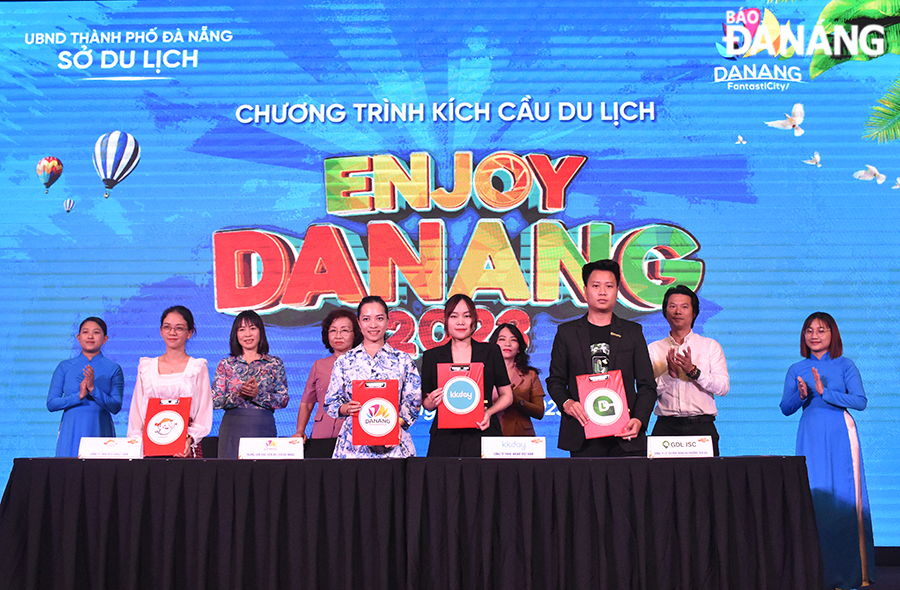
(173,375)
(340,333)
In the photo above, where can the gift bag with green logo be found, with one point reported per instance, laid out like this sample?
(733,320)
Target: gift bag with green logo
(604,401)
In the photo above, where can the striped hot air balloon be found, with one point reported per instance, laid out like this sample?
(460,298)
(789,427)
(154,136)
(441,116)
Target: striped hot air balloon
(48,170)
(68,204)
(116,155)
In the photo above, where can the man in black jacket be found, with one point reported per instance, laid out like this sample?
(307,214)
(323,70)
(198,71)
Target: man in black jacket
(597,343)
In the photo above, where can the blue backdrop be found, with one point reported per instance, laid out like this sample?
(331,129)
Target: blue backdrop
(676,139)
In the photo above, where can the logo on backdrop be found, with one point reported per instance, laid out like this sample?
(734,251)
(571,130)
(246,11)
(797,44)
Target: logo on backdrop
(461,395)
(493,236)
(757,33)
(377,417)
(603,407)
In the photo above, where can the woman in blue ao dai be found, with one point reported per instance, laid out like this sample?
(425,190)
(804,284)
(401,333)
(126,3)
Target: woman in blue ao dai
(88,389)
(826,385)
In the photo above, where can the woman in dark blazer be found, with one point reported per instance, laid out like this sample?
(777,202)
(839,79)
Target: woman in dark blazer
(460,321)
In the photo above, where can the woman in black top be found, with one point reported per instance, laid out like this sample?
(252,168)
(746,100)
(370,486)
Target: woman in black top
(460,321)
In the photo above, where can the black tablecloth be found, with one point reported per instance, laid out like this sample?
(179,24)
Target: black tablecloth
(724,523)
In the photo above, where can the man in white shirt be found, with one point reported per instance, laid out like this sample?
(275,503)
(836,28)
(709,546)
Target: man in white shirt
(690,371)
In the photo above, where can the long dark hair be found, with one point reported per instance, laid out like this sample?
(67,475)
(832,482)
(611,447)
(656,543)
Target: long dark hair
(836,348)
(522,359)
(251,317)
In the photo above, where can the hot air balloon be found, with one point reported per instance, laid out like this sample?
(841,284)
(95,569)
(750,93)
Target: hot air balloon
(68,204)
(116,154)
(48,170)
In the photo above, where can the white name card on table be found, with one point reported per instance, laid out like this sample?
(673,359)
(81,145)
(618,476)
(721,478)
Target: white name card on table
(513,447)
(109,448)
(270,448)
(664,447)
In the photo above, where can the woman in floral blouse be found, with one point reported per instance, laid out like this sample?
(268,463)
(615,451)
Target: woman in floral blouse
(373,359)
(249,385)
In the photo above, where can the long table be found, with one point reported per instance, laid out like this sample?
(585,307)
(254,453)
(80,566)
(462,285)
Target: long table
(631,523)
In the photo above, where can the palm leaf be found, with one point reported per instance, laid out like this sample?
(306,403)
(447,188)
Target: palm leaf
(847,13)
(884,120)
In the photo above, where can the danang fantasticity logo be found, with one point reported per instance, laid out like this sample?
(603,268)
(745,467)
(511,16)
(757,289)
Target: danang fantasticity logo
(461,395)
(603,406)
(166,428)
(377,417)
(754,32)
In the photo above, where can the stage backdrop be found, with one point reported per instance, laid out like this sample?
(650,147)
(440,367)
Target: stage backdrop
(231,155)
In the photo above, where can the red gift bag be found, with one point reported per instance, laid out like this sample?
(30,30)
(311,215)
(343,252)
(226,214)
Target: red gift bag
(378,421)
(604,401)
(463,402)
(165,426)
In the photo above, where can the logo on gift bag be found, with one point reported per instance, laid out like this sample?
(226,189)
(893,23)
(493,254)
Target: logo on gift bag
(603,407)
(167,427)
(461,395)
(377,417)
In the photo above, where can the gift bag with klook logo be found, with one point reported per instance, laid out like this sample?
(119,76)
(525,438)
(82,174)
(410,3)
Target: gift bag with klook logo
(463,401)
(604,401)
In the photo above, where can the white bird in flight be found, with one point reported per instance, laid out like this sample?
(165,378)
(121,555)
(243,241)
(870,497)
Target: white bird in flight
(898,183)
(791,121)
(815,161)
(741,140)
(869,173)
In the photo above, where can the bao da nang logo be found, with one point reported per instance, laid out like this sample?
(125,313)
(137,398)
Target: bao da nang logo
(751,31)
(603,407)
(754,32)
(461,395)
(377,417)
(167,427)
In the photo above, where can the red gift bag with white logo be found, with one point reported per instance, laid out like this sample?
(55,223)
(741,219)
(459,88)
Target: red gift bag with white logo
(604,401)
(463,401)
(378,421)
(165,426)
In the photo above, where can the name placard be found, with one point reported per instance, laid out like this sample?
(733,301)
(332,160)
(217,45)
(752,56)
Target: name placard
(662,447)
(513,447)
(92,447)
(270,448)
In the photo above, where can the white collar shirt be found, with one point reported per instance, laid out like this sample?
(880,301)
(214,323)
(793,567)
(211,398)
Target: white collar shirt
(682,396)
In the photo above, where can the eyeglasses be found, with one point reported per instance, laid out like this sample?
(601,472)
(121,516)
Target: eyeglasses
(820,331)
(176,329)
(342,332)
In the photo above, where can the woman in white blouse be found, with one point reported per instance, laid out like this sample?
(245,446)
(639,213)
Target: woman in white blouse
(173,375)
